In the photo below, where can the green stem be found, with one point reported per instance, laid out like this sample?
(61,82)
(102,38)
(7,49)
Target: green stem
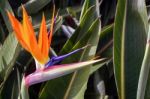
(24,90)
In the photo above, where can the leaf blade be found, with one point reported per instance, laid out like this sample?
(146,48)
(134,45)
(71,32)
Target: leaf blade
(130,28)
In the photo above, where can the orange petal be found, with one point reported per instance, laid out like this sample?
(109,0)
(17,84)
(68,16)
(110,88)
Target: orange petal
(43,39)
(17,27)
(52,26)
(30,37)
(28,34)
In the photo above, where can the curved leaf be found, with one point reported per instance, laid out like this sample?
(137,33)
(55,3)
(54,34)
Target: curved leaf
(8,54)
(144,79)
(81,30)
(83,35)
(85,72)
(33,6)
(130,31)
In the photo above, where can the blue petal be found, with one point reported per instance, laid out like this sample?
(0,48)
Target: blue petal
(57,59)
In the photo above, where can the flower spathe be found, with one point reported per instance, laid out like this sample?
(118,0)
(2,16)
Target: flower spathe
(55,71)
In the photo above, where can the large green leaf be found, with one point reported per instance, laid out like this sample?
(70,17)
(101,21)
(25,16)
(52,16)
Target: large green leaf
(8,54)
(81,30)
(83,35)
(75,57)
(79,79)
(130,30)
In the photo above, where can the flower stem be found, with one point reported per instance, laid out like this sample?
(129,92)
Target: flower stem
(24,90)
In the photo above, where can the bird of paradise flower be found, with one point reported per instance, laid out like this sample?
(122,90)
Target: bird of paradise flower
(46,68)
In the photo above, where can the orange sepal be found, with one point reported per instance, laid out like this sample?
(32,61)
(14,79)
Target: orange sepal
(29,31)
(17,27)
(26,36)
(43,39)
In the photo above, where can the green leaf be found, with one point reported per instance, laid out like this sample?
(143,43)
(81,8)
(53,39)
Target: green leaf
(4,23)
(94,29)
(87,4)
(80,31)
(4,6)
(11,88)
(73,11)
(95,67)
(105,46)
(144,79)
(87,29)
(79,79)
(130,31)
(33,6)
(8,54)
(2,34)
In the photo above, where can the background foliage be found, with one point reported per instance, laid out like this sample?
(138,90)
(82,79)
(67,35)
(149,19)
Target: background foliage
(114,29)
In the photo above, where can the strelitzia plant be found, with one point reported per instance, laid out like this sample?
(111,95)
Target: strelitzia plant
(46,67)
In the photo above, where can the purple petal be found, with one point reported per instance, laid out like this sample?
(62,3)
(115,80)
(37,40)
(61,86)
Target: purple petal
(56,59)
